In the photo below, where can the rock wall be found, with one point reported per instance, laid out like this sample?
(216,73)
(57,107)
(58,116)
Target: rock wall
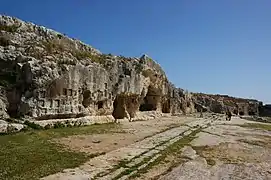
(47,75)
(3,104)
(223,103)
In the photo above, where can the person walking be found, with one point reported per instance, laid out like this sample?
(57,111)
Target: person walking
(228,115)
(201,114)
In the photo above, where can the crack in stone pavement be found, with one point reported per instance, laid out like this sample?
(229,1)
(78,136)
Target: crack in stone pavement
(106,166)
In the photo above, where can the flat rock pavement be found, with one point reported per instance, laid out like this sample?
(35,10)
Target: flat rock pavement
(221,150)
(237,152)
(107,166)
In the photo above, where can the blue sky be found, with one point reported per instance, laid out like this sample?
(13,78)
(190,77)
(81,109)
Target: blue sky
(206,46)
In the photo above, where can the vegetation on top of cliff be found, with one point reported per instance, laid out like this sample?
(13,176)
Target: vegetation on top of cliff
(53,43)
(97,58)
(52,46)
(11,28)
(225,97)
(58,47)
(149,58)
(139,67)
(46,44)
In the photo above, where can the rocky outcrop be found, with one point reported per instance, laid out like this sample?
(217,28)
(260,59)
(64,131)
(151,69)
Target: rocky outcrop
(6,127)
(223,103)
(3,104)
(47,75)
(265,110)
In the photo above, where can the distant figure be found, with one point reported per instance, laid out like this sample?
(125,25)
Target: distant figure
(228,115)
(201,115)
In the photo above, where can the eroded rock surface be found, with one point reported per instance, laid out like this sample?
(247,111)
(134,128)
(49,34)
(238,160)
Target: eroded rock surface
(222,103)
(47,75)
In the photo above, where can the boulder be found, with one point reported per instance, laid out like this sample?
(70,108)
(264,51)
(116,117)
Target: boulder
(6,127)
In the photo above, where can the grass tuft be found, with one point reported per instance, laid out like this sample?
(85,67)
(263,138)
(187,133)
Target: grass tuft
(257,126)
(201,150)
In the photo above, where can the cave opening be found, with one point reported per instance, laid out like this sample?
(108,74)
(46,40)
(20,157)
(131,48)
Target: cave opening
(150,101)
(166,106)
(86,98)
(100,104)
(241,113)
(235,112)
(119,108)
(251,113)
(125,106)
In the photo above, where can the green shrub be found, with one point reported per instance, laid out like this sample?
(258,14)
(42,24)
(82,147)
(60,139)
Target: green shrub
(26,128)
(101,59)
(53,46)
(33,125)
(149,59)
(48,126)
(4,83)
(11,129)
(82,54)
(68,124)
(78,123)
(138,67)
(58,125)
(59,36)
(12,28)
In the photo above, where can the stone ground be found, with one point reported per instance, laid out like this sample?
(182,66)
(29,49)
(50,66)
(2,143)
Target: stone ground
(134,131)
(171,148)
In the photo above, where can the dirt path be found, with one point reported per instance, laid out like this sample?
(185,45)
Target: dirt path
(175,148)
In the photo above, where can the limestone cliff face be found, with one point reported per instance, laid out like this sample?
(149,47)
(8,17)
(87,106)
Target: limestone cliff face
(222,103)
(47,75)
